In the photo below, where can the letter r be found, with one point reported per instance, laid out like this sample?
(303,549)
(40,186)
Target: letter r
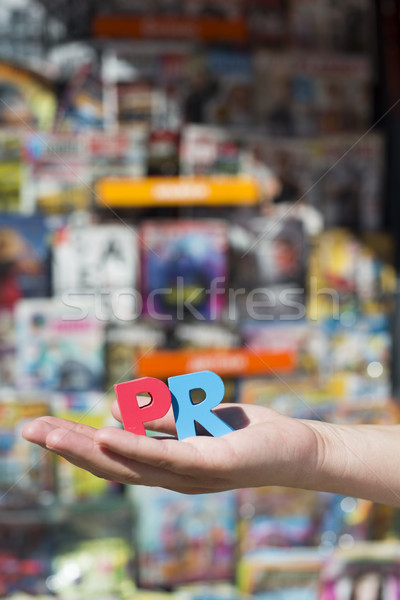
(133,415)
(187,414)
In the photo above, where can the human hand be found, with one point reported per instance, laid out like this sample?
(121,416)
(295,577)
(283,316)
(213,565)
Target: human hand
(265,448)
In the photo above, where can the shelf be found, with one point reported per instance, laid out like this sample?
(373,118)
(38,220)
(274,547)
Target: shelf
(233,362)
(175,27)
(177,191)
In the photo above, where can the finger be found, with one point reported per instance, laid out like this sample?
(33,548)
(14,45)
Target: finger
(84,453)
(167,454)
(36,432)
(58,422)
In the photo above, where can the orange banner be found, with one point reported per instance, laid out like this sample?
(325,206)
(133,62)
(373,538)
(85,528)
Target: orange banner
(171,28)
(176,191)
(235,362)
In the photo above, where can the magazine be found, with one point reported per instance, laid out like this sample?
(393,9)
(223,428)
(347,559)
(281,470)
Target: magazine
(207,150)
(12,172)
(25,245)
(59,346)
(26,471)
(183,262)
(58,172)
(311,94)
(345,26)
(182,539)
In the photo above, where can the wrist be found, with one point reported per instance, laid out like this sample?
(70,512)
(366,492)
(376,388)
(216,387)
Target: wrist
(350,458)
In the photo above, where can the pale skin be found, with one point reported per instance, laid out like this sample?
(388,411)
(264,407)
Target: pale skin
(265,449)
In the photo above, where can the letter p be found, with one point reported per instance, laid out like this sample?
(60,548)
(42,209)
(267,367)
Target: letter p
(133,415)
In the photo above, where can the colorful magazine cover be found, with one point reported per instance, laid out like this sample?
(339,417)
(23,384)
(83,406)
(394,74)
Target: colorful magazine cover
(120,154)
(59,346)
(298,397)
(347,276)
(284,573)
(369,569)
(80,106)
(308,341)
(58,172)
(182,265)
(311,94)
(181,539)
(140,102)
(28,99)
(88,408)
(26,471)
(123,347)
(12,172)
(25,245)
(100,569)
(207,150)
(279,517)
(269,259)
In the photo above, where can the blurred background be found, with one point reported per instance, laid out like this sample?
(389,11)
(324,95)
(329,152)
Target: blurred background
(190,185)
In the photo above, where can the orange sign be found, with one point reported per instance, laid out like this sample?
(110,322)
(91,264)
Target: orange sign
(176,191)
(170,28)
(235,362)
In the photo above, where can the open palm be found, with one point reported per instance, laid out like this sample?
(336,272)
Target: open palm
(265,448)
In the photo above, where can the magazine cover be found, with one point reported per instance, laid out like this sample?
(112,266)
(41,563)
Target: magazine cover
(346,275)
(311,94)
(357,571)
(268,262)
(221,89)
(268,21)
(26,471)
(340,26)
(7,350)
(360,356)
(28,99)
(104,258)
(105,269)
(163,149)
(140,102)
(279,517)
(25,243)
(297,397)
(207,150)
(59,346)
(58,172)
(341,177)
(12,172)
(182,539)
(123,347)
(120,154)
(183,264)
(80,106)
(287,573)
(98,568)
(89,408)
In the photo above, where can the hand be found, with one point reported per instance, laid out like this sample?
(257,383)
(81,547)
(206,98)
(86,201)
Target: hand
(265,449)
